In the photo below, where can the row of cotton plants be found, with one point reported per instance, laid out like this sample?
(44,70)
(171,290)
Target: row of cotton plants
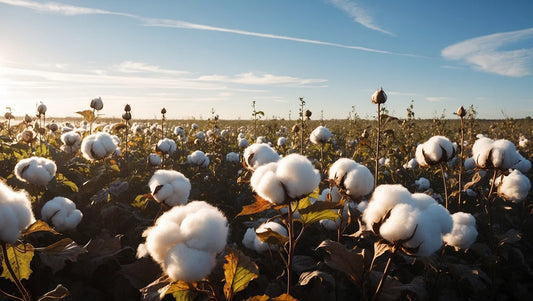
(308,209)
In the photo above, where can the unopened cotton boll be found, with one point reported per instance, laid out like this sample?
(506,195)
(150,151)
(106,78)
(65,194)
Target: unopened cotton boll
(62,213)
(98,146)
(422,184)
(463,233)
(186,239)
(198,158)
(259,154)
(35,170)
(97,103)
(166,146)
(513,187)
(436,150)
(320,135)
(15,213)
(170,187)
(233,157)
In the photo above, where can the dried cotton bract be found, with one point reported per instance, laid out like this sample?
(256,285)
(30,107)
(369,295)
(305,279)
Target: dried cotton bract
(36,170)
(98,146)
(513,187)
(352,178)
(15,213)
(252,242)
(62,213)
(259,154)
(436,150)
(320,135)
(186,239)
(170,187)
(464,231)
(290,178)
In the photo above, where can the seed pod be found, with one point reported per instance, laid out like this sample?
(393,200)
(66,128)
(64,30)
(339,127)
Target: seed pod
(295,128)
(27,118)
(8,115)
(126,116)
(308,114)
(163,111)
(41,109)
(461,112)
(97,103)
(127,108)
(379,96)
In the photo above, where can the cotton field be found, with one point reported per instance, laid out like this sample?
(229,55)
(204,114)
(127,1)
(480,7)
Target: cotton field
(391,208)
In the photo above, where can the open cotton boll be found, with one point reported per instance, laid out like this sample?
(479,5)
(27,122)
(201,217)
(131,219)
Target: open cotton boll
(384,198)
(261,139)
(359,182)
(198,158)
(261,246)
(154,159)
(298,175)
(282,142)
(513,187)
(98,146)
(401,223)
(436,150)
(15,213)
(422,184)
(179,131)
(205,229)
(166,146)
(71,142)
(320,135)
(243,143)
(411,164)
(267,185)
(340,168)
(233,157)
(259,154)
(522,164)
(188,264)
(464,232)
(422,201)
(62,213)
(170,187)
(35,170)
(500,154)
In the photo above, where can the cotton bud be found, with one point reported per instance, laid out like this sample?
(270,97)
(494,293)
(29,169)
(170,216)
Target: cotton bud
(8,115)
(308,114)
(41,108)
(27,118)
(379,96)
(97,103)
(126,116)
(127,108)
(163,111)
(461,112)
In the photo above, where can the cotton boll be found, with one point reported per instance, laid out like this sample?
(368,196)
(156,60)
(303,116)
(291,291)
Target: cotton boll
(170,187)
(422,184)
(437,149)
(504,154)
(320,135)
(261,139)
(464,232)
(179,131)
(259,154)
(338,170)
(62,213)
(205,230)
(359,182)
(298,175)
(422,201)
(188,264)
(522,164)
(282,142)
(15,213)
(267,185)
(98,146)
(384,198)
(470,164)
(232,157)
(248,239)
(243,143)
(411,164)
(198,158)
(35,170)
(401,223)
(513,187)
(480,152)
(166,146)
(200,136)
(71,141)
(154,159)
(362,206)
(333,193)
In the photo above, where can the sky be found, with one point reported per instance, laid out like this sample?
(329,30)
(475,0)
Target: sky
(195,56)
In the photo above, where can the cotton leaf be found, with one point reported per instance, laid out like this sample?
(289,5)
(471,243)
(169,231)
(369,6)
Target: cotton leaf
(59,293)
(57,254)
(88,115)
(344,260)
(37,227)
(284,297)
(239,270)
(19,258)
(380,247)
(181,291)
(272,237)
(319,211)
(259,298)
(306,277)
(260,205)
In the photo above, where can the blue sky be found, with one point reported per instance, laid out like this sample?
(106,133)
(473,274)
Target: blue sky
(191,56)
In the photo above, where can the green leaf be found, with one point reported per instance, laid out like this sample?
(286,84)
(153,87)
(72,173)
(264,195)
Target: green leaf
(319,211)
(182,291)
(61,178)
(272,237)
(19,257)
(239,270)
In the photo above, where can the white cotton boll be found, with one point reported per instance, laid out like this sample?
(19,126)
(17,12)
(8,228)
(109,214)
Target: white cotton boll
(205,230)
(401,223)
(179,131)
(523,142)
(437,149)
(522,164)
(233,157)
(261,246)
(261,139)
(422,184)
(362,206)
(298,175)
(71,141)
(200,136)
(248,239)
(504,154)
(194,126)
(259,154)
(340,168)
(240,136)
(320,135)
(154,159)
(282,142)
(35,170)
(198,158)
(384,198)
(62,213)
(411,164)
(98,146)
(243,143)
(464,232)
(166,146)
(188,264)
(470,164)
(513,187)
(267,185)
(419,156)
(359,182)
(15,213)
(422,201)
(170,187)
(481,151)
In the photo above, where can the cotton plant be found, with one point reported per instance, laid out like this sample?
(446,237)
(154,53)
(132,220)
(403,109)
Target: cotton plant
(198,158)
(169,187)
(61,212)
(252,241)
(185,240)
(35,170)
(98,146)
(259,154)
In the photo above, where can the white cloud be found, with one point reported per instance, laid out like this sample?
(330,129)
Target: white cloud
(492,53)
(359,14)
(52,7)
(250,78)
(437,98)
(139,67)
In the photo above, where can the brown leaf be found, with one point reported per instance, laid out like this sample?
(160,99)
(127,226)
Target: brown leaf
(259,298)
(88,115)
(393,289)
(380,247)
(260,205)
(57,254)
(59,293)
(39,226)
(284,297)
(323,276)
(344,260)
(272,237)
(141,272)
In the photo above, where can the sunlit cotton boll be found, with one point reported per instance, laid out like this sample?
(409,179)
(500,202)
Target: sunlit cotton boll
(233,157)
(198,158)
(384,198)
(320,135)
(422,184)
(97,103)
(243,143)
(463,233)
(499,154)
(98,146)
(179,131)
(282,142)
(259,154)
(36,170)
(261,139)
(513,187)
(411,164)
(436,150)
(15,213)
(166,146)
(186,239)
(252,242)
(154,159)
(170,187)
(71,142)
(355,179)
(522,164)
(62,213)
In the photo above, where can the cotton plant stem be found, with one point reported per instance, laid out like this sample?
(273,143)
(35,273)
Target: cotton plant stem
(461,162)
(377,147)
(444,183)
(20,287)
(387,266)
(291,249)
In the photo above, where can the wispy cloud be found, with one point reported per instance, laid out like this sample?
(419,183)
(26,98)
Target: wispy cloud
(359,14)
(250,78)
(487,53)
(70,10)
(437,98)
(139,67)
